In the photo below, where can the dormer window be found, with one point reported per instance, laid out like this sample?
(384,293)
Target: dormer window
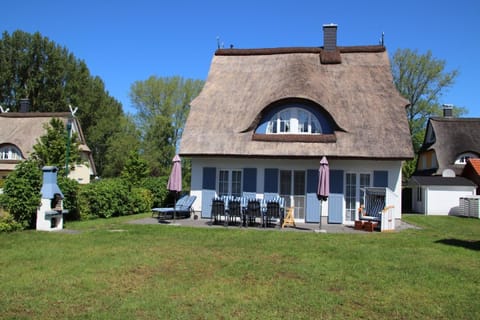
(10,152)
(463,158)
(293,120)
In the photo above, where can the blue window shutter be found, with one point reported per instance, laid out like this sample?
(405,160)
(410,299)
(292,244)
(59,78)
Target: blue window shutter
(312,208)
(208,181)
(271,180)
(336,181)
(207,196)
(312,181)
(335,208)
(380,179)
(250,179)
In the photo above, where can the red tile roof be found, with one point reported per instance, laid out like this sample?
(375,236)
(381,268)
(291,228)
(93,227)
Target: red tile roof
(475,163)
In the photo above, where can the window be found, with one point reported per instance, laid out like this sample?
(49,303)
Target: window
(10,152)
(230,182)
(463,158)
(293,120)
(419,194)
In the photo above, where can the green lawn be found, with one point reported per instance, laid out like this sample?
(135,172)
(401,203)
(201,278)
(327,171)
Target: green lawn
(115,270)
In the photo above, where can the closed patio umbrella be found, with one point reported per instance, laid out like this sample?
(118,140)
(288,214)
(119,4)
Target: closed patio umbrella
(175,180)
(323,183)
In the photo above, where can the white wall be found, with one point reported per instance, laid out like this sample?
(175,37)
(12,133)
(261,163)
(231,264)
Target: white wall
(442,200)
(357,166)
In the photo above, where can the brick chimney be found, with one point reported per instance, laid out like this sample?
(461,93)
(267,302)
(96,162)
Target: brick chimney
(447,111)
(330,37)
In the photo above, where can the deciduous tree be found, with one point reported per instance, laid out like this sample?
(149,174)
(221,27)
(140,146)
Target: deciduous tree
(421,79)
(162,108)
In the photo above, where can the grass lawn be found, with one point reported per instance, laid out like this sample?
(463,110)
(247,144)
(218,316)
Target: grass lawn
(114,270)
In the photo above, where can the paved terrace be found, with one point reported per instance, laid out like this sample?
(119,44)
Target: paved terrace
(300,227)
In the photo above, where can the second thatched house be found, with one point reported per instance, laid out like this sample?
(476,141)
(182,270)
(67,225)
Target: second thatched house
(20,131)
(265,118)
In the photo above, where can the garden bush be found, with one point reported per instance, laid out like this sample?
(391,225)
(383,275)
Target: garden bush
(112,198)
(22,193)
(158,188)
(70,189)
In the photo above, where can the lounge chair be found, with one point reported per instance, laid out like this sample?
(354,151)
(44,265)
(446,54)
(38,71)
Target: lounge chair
(183,208)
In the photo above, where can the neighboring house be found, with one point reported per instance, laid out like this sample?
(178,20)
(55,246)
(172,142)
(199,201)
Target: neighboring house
(472,172)
(265,118)
(439,195)
(437,184)
(20,131)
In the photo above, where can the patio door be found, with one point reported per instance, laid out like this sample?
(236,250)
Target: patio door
(354,194)
(292,189)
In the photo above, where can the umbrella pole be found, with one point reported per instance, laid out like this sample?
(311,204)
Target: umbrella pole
(320,223)
(175,206)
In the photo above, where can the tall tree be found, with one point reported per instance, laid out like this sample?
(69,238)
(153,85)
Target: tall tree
(126,138)
(162,108)
(33,67)
(421,79)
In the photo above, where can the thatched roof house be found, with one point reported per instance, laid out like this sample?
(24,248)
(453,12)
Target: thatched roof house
(296,104)
(446,168)
(20,131)
(449,143)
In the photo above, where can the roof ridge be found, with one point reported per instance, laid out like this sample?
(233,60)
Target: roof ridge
(290,50)
(34,114)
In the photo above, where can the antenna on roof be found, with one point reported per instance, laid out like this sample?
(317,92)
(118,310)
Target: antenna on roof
(382,39)
(72,111)
(219,44)
(4,111)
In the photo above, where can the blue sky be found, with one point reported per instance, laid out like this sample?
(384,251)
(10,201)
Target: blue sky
(126,41)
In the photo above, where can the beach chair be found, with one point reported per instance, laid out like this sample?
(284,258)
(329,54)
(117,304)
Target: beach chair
(182,208)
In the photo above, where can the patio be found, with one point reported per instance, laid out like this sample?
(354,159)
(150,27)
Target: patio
(300,227)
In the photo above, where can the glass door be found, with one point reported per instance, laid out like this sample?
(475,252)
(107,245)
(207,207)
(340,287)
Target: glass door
(292,189)
(354,193)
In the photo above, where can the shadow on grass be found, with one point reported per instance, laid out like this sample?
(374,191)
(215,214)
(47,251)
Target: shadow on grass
(472,245)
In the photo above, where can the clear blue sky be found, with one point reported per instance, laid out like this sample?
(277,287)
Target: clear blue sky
(126,41)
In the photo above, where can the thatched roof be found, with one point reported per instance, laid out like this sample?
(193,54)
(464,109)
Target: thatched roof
(353,85)
(23,129)
(453,137)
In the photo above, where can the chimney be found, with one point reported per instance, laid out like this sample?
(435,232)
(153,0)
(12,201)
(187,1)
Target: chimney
(330,37)
(447,110)
(24,105)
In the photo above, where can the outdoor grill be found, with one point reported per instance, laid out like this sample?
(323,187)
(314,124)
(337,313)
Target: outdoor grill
(50,213)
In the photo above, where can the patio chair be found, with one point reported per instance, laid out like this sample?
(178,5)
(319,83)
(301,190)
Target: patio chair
(253,211)
(234,211)
(272,212)
(218,210)
(182,208)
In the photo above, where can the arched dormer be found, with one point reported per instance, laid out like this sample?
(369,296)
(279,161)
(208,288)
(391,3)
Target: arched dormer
(10,152)
(295,120)
(463,157)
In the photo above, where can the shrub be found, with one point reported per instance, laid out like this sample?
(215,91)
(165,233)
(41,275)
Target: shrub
(70,189)
(158,189)
(22,192)
(7,223)
(140,200)
(110,198)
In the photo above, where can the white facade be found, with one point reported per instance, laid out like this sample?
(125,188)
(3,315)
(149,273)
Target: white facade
(352,168)
(440,200)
